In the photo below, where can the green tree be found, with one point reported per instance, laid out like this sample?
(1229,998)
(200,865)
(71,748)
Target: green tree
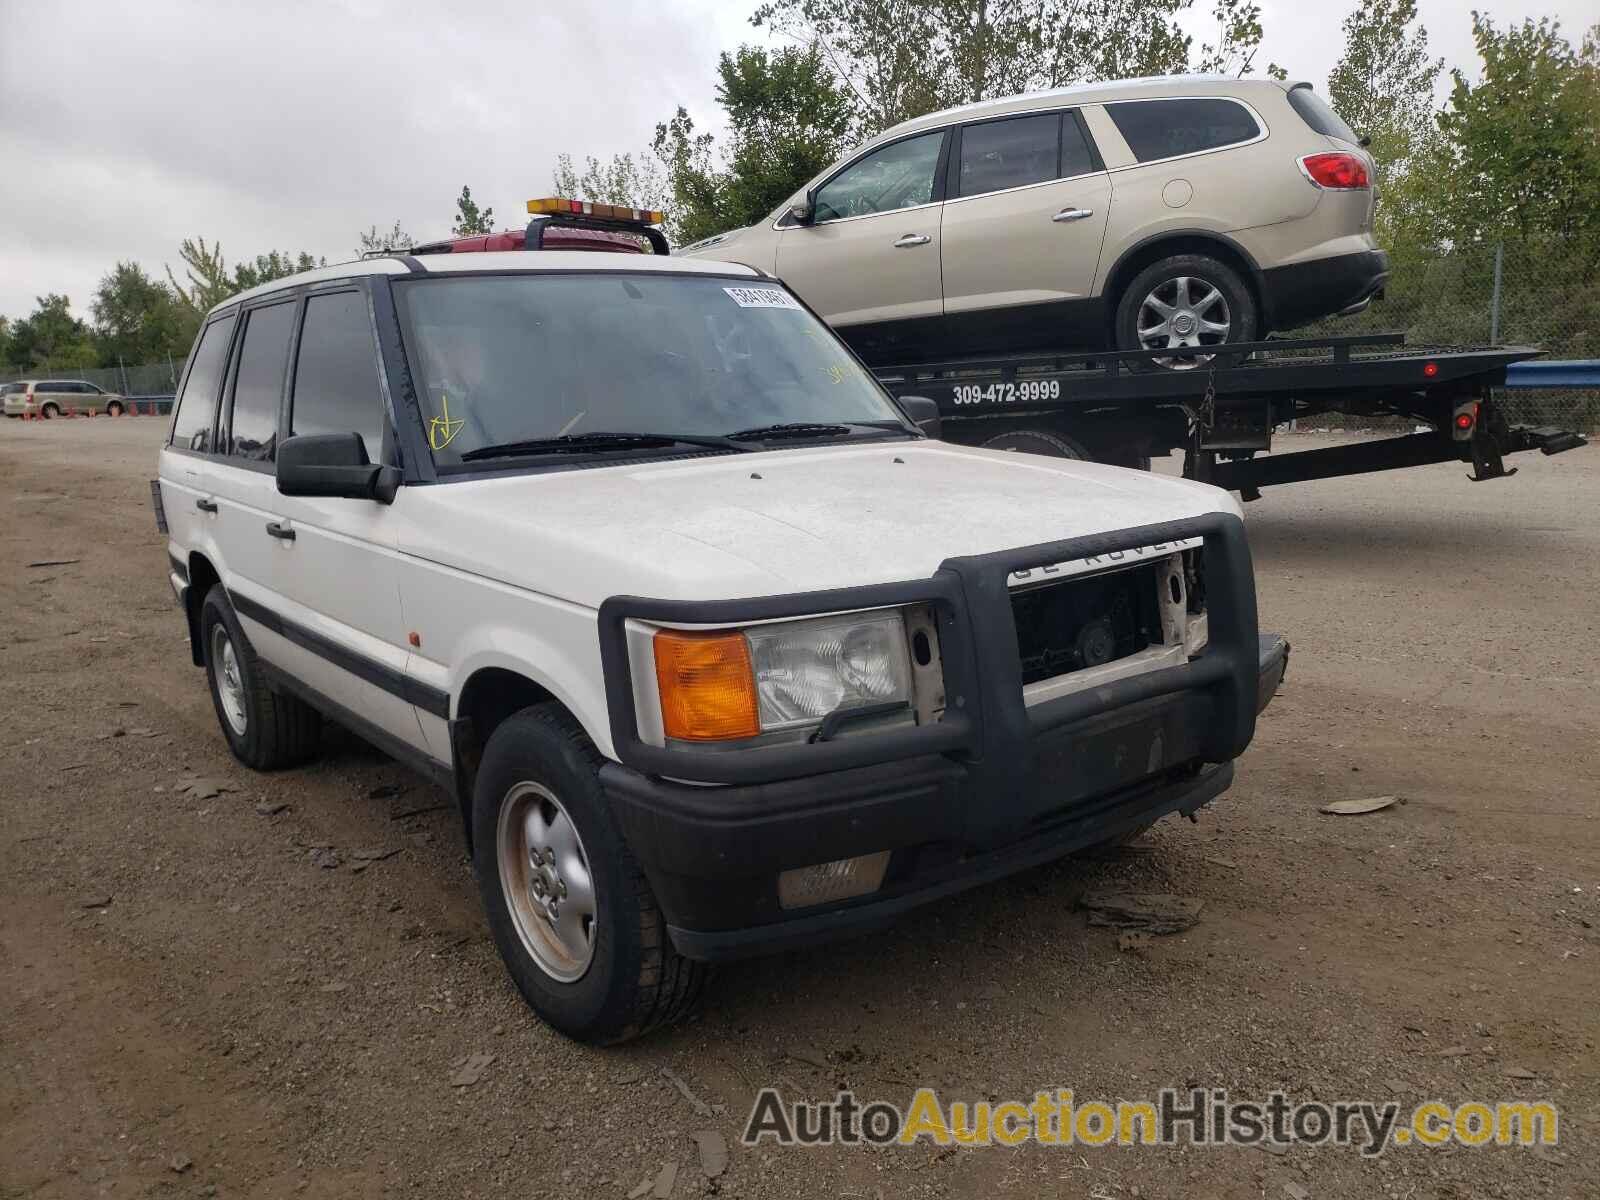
(374,242)
(1384,81)
(50,338)
(275,264)
(635,181)
(1523,151)
(208,281)
(787,119)
(470,219)
(138,319)
(902,58)
(1383,86)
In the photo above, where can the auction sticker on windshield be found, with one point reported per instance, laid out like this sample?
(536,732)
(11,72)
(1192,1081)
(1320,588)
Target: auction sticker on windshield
(761,298)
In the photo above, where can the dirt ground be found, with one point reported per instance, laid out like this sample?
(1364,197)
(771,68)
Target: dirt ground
(191,1006)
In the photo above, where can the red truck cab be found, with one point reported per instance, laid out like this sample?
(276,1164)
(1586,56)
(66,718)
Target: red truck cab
(560,224)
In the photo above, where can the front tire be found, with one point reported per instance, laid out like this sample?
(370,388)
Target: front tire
(114,409)
(568,905)
(1186,303)
(265,729)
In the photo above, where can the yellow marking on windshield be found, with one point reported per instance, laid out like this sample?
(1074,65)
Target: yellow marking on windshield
(441,429)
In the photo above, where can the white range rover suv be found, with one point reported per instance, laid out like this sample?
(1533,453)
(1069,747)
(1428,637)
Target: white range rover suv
(1171,213)
(716,650)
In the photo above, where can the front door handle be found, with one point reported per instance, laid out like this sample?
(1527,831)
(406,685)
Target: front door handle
(206,505)
(1072,214)
(280,531)
(912,239)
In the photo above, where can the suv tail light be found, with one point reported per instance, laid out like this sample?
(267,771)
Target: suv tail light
(1339,170)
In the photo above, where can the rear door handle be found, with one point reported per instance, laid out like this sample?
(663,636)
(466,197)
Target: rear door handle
(280,531)
(912,239)
(1072,214)
(206,505)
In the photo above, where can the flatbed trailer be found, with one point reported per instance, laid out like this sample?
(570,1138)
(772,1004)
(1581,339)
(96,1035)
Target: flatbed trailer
(1123,407)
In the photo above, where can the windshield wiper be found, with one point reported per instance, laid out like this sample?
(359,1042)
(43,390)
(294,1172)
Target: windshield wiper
(573,443)
(793,429)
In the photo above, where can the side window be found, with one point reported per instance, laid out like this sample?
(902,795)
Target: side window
(1005,154)
(191,427)
(898,176)
(1165,128)
(1314,111)
(336,386)
(258,383)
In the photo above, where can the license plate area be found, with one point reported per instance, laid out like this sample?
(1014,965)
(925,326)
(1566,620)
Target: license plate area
(1106,753)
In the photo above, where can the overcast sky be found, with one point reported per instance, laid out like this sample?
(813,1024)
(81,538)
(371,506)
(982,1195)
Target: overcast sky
(126,127)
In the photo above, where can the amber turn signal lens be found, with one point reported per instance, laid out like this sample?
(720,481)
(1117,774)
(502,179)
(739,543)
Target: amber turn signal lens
(708,691)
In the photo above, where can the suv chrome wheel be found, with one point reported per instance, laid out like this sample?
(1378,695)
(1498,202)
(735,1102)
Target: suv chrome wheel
(1183,312)
(230,683)
(549,887)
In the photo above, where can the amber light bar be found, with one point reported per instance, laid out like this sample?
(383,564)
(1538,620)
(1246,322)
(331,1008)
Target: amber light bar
(593,208)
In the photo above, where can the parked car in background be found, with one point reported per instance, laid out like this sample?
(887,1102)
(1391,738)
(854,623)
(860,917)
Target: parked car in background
(49,398)
(1179,212)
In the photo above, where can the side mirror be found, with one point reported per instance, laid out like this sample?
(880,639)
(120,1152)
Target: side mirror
(333,464)
(924,414)
(805,211)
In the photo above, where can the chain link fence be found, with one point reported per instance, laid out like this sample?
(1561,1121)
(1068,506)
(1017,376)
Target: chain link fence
(146,379)
(1544,294)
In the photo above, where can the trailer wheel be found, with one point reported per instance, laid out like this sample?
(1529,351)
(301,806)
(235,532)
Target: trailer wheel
(1184,303)
(1058,445)
(1037,441)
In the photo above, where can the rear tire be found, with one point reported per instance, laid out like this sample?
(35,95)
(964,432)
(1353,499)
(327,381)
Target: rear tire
(1187,302)
(265,729)
(613,974)
(49,412)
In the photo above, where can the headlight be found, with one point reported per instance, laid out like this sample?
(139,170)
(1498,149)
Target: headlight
(736,684)
(806,669)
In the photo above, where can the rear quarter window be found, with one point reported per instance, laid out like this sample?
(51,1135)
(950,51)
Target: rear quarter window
(1315,112)
(1156,129)
(197,406)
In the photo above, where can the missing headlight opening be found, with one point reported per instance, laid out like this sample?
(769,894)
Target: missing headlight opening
(1145,615)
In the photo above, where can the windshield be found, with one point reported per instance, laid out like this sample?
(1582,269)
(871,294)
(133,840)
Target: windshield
(510,359)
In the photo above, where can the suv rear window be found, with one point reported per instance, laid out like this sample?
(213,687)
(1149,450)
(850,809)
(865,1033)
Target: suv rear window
(191,427)
(1315,112)
(1006,154)
(11,389)
(1157,129)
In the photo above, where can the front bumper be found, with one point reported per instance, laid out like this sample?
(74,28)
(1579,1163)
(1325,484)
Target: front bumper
(993,787)
(1302,292)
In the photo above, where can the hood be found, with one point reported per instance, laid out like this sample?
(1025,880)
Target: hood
(715,247)
(737,525)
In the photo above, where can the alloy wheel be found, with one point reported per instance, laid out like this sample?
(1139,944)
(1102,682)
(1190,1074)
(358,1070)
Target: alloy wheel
(548,884)
(1183,313)
(230,683)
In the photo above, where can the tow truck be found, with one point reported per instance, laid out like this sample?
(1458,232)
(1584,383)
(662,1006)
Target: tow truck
(1220,410)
